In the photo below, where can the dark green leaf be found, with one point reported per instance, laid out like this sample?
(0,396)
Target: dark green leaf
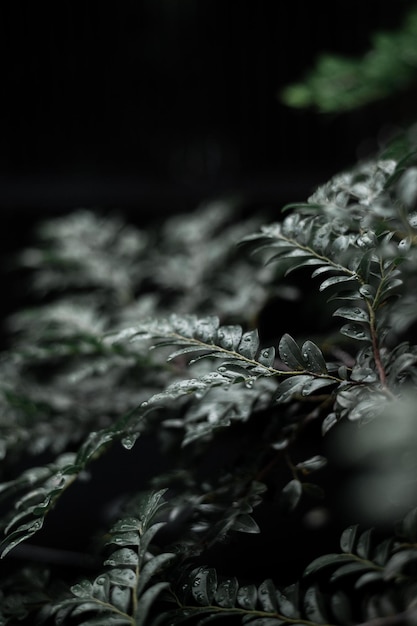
(146,600)
(335,280)
(229,337)
(383,551)
(368,578)
(398,562)
(122,576)
(327,560)
(288,600)
(355,331)
(152,567)
(267,357)
(290,353)
(204,585)
(409,526)
(329,421)
(307,263)
(313,358)
(267,596)
(348,538)
(206,328)
(120,597)
(355,314)
(341,608)
(226,593)
(291,386)
(314,384)
(350,568)
(364,544)
(312,465)
(124,556)
(249,344)
(247,597)
(245,524)
(290,495)
(314,606)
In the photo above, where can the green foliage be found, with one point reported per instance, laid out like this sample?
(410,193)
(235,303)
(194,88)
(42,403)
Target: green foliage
(121,594)
(339,83)
(158,336)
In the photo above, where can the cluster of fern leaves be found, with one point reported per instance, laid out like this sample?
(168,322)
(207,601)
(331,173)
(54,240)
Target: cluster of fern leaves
(138,338)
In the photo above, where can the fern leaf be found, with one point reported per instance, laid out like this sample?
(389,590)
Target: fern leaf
(122,594)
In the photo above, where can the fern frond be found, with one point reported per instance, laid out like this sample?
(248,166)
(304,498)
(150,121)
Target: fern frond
(125,591)
(242,359)
(44,485)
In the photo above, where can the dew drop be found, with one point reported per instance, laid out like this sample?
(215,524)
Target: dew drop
(366,240)
(222,369)
(196,582)
(367,291)
(249,383)
(412,220)
(129,441)
(404,245)
(101,580)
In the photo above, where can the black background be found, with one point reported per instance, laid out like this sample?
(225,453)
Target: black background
(155,105)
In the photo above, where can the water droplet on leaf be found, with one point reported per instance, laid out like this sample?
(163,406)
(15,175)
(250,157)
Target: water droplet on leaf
(129,441)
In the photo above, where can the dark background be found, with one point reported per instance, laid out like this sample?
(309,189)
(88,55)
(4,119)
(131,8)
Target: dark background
(154,105)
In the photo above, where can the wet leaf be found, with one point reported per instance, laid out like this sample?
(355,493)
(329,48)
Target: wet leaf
(204,585)
(364,545)
(229,337)
(348,538)
(226,593)
(350,568)
(291,386)
(249,344)
(245,524)
(312,464)
(247,596)
(335,280)
(146,600)
(290,495)
(355,331)
(313,358)
(355,314)
(266,357)
(314,606)
(267,596)
(290,353)
(152,567)
(124,556)
(327,560)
